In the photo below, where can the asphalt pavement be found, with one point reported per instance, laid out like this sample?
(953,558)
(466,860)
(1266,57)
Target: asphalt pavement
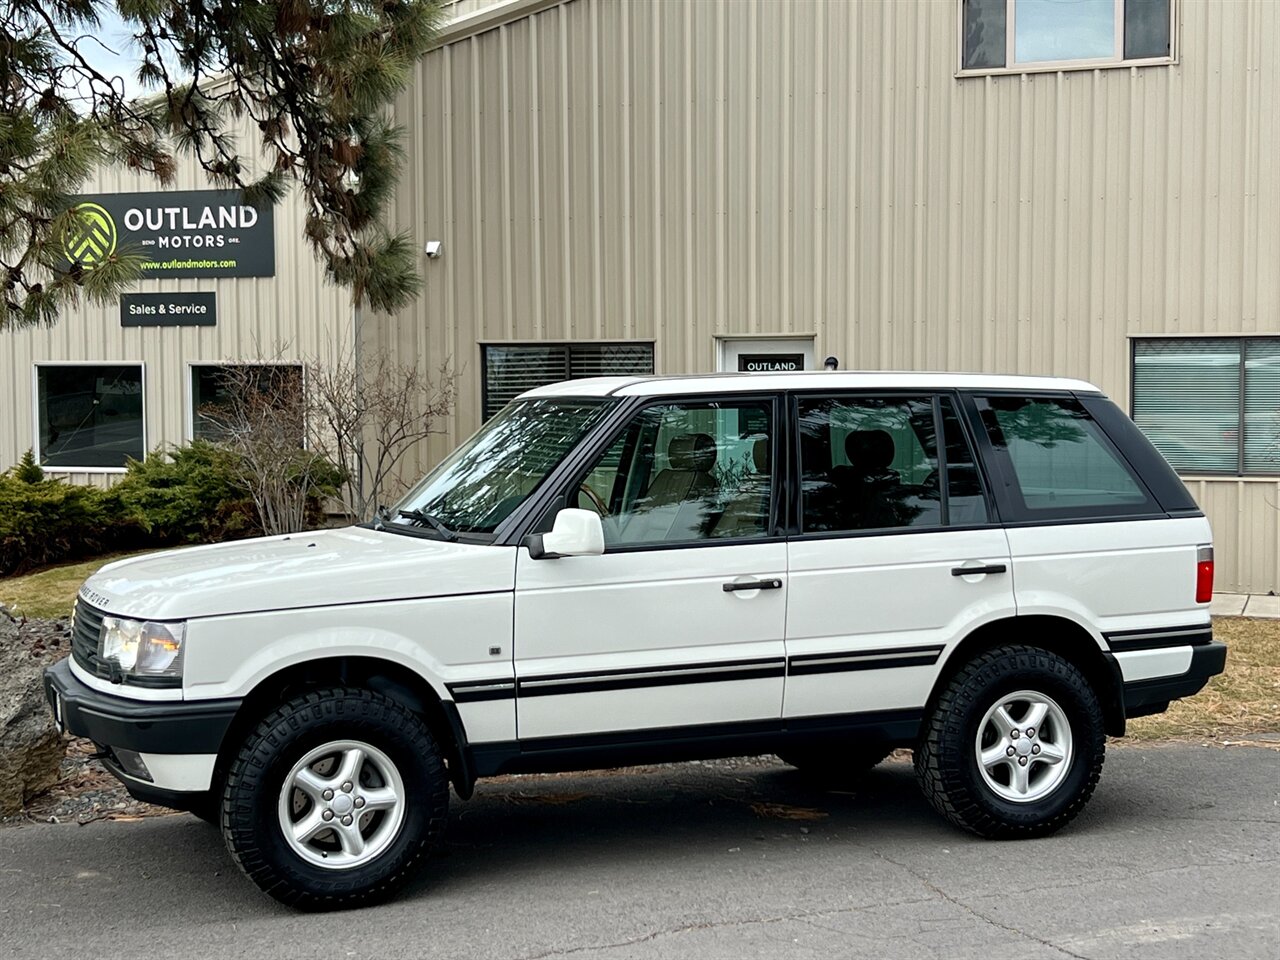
(1178,855)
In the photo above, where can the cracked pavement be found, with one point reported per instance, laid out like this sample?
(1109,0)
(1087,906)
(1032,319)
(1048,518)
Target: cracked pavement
(1178,855)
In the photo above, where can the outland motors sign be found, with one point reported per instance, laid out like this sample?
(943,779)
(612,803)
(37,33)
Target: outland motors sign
(193,233)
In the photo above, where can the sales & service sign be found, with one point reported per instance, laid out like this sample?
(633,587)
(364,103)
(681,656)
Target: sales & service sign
(193,233)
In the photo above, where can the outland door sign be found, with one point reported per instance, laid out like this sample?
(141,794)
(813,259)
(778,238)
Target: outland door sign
(770,362)
(193,233)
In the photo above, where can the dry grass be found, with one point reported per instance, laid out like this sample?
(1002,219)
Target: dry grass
(51,592)
(1243,700)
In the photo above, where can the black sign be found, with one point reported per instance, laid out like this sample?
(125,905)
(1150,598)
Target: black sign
(194,233)
(168,309)
(770,362)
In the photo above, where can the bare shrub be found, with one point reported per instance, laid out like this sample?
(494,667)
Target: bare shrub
(369,414)
(261,418)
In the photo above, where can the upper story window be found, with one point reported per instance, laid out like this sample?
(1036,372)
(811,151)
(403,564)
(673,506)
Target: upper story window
(1025,35)
(512,368)
(1211,405)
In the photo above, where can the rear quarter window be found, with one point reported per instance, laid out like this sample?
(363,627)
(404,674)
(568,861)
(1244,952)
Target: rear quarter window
(1052,461)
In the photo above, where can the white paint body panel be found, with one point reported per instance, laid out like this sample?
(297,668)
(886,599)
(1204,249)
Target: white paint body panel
(650,608)
(180,771)
(1111,576)
(443,639)
(1151,664)
(865,593)
(322,568)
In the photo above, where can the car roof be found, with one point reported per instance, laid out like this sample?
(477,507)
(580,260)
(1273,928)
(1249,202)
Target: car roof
(815,380)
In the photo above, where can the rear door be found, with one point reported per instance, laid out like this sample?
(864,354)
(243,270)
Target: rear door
(893,511)
(1090,539)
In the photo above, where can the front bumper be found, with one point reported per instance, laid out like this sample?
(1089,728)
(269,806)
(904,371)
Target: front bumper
(180,738)
(1145,697)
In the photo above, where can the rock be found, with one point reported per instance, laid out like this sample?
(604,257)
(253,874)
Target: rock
(31,748)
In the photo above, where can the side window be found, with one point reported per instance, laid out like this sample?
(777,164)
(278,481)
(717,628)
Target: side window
(1057,461)
(966,504)
(685,472)
(868,463)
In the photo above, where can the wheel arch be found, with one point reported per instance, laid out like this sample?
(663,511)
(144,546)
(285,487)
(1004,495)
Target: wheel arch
(1065,637)
(391,679)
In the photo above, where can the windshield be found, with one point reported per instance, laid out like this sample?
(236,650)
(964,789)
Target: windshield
(485,479)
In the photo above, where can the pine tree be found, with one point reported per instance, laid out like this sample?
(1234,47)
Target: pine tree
(315,79)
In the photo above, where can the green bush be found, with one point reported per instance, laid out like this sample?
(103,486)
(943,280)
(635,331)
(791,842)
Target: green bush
(48,521)
(188,495)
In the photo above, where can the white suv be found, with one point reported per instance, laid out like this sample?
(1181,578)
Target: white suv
(994,571)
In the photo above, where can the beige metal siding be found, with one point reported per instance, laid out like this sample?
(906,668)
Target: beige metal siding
(678,170)
(295,315)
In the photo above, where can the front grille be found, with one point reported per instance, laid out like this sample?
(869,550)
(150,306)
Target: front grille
(84,640)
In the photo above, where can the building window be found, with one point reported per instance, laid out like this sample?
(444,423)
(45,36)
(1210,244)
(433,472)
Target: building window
(1210,405)
(213,389)
(1019,35)
(511,369)
(89,417)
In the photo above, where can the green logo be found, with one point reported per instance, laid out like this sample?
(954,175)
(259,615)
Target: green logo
(91,237)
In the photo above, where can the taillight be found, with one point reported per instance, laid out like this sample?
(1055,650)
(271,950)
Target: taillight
(1204,575)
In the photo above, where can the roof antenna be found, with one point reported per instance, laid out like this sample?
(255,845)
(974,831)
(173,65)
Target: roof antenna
(831,363)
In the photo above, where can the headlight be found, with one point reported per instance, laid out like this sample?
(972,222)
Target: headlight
(143,648)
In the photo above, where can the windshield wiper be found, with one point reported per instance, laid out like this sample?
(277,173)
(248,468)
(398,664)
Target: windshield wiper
(433,522)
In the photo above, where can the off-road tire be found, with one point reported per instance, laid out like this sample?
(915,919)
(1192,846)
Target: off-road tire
(249,818)
(946,761)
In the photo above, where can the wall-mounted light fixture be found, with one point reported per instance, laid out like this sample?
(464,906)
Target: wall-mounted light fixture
(831,363)
(434,249)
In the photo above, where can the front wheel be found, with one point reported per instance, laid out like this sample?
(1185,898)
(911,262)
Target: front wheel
(335,799)
(1014,746)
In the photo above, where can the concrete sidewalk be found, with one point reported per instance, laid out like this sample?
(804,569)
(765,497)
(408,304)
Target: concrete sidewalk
(1245,605)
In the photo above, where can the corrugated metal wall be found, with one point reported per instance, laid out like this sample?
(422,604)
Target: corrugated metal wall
(294,315)
(681,170)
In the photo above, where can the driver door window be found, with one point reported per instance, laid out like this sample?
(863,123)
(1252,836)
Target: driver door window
(685,472)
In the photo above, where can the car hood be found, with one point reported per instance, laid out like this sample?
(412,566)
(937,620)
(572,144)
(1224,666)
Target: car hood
(323,568)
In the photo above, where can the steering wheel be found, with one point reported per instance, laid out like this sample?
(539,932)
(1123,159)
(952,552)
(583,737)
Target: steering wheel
(597,501)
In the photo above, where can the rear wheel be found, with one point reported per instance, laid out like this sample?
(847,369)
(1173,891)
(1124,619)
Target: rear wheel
(335,799)
(1014,746)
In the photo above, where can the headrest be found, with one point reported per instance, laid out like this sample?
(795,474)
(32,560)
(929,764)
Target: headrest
(869,451)
(693,451)
(760,455)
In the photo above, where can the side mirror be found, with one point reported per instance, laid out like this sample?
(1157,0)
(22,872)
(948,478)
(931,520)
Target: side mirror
(576,533)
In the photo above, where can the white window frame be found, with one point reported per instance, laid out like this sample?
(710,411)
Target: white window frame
(188,390)
(1055,66)
(35,411)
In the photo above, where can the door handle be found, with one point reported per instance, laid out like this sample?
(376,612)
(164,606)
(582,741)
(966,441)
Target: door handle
(753,585)
(970,571)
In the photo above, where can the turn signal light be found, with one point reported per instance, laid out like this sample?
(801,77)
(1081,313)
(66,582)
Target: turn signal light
(1204,575)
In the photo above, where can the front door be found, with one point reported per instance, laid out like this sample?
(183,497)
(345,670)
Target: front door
(679,624)
(889,525)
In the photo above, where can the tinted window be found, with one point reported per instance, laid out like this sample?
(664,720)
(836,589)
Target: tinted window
(684,472)
(222,394)
(90,416)
(868,463)
(1056,460)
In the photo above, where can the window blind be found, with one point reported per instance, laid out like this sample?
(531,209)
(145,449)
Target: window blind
(511,369)
(1262,406)
(1186,399)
